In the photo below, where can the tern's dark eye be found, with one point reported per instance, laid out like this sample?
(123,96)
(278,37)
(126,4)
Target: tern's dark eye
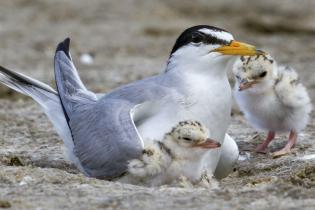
(263,74)
(186,139)
(196,37)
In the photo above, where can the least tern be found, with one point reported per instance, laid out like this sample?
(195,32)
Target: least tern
(179,154)
(103,133)
(272,98)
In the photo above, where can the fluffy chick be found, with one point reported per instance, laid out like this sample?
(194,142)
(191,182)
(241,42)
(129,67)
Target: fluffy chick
(272,98)
(179,154)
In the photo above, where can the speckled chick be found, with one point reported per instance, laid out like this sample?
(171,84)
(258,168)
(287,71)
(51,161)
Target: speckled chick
(180,154)
(272,98)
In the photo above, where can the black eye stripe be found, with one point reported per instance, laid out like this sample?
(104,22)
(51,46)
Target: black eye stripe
(197,37)
(209,39)
(187,139)
(263,74)
(186,37)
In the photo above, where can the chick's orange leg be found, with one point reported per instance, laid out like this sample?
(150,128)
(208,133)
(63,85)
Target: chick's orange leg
(261,148)
(287,148)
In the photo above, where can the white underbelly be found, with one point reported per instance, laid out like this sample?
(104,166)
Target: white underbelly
(213,112)
(266,113)
(215,117)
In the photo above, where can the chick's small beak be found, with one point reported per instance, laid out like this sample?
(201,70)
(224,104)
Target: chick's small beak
(208,144)
(245,84)
(238,48)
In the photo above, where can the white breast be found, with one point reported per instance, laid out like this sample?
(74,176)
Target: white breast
(265,111)
(206,100)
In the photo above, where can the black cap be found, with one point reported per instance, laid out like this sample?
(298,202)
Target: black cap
(193,34)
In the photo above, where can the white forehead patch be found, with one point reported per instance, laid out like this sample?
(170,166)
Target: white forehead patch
(219,34)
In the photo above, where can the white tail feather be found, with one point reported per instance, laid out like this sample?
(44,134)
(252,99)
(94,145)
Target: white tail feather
(48,99)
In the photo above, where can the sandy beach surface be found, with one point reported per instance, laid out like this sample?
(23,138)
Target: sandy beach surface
(123,41)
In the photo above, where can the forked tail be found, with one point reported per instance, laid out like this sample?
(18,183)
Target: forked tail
(47,98)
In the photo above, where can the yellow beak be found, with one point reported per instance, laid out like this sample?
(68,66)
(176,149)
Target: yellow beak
(238,48)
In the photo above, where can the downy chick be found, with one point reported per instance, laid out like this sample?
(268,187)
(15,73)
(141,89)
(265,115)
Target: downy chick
(272,98)
(180,154)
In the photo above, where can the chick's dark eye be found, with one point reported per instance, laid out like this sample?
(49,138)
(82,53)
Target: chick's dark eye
(186,139)
(263,74)
(196,38)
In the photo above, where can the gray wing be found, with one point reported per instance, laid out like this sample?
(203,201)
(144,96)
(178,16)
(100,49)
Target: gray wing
(141,91)
(105,138)
(103,130)
(70,88)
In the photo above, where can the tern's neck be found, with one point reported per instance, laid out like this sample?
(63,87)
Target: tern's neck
(208,68)
(186,76)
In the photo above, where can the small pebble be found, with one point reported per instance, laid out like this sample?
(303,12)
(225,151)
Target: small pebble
(26,180)
(87,58)
(5,204)
(244,156)
(307,157)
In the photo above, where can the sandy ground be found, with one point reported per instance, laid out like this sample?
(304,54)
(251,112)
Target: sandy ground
(130,40)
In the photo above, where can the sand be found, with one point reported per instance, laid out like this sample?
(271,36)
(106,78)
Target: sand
(129,40)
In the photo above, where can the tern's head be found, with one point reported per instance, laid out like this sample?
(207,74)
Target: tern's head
(189,137)
(203,47)
(255,72)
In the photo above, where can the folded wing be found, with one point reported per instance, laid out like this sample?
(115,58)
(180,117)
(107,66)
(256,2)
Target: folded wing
(103,131)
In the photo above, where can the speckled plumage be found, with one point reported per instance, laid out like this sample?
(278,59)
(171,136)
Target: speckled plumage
(273,99)
(179,154)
